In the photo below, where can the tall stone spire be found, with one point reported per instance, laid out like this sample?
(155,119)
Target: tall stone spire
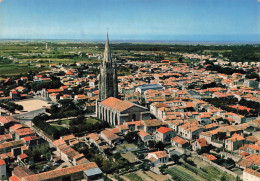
(107,53)
(108,85)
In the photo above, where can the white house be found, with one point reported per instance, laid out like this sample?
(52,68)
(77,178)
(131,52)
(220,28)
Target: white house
(251,175)
(158,157)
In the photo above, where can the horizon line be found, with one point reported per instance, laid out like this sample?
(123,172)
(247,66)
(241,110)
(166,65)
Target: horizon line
(133,41)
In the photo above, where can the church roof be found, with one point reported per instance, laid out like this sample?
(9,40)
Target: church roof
(117,104)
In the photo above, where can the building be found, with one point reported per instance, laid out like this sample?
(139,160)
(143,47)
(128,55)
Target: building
(145,137)
(190,131)
(141,89)
(158,157)
(2,170)
(87,171)
(116,111)
(251,175)
(200,144)
(164,134)
(235,142)
(108,86)
(180,142)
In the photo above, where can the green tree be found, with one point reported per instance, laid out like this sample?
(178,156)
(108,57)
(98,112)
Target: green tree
(175,158)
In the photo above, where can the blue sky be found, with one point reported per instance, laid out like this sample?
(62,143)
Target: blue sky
(183,20)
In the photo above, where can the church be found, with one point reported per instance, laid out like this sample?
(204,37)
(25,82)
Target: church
(108,107)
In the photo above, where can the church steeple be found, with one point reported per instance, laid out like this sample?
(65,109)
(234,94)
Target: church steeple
(107,53)
(108,86)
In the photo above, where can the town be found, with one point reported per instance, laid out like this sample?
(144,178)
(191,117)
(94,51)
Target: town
(138,114)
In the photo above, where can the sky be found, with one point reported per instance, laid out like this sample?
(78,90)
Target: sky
(165,20)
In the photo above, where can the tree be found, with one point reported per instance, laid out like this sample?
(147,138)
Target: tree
(180,59)
(223,178)
(151,144)
(36,155)
(131,137)
(175,158)
(106,166)
(162,168)
(159,145)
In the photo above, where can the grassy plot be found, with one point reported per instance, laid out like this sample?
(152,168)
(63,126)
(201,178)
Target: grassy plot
(58,127)
(216,173)
(183,174)
(92,120)
(129,156)
(16,69)
(188,172)
(133,177)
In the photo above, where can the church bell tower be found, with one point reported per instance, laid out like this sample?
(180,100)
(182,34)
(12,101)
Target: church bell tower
(108,84)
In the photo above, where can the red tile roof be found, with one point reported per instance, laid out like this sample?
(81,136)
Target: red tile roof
(51,175)
(117,104)
(2,162)
(22,156)
(14,178)
(28,138)
(143,133)
(179,140)
(163,130)
(209,156)
(252,172)
(202,142)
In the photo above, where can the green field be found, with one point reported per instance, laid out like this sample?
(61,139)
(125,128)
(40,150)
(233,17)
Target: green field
(133,177)
(16,69)
(192,173)
(58,127)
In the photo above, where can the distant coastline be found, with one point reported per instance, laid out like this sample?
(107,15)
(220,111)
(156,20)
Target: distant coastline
(133,41)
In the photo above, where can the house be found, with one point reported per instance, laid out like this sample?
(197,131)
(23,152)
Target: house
(2,170)
(23,158)
(69,139)
(214,137)
(209,157)
(151,125)
(23,132)
(251,175)
(135,125)
(9,146)
(95,139)
(249,161)
(123,128)
(235,142)
(158,157)
(5,138)
(174,124)
(8,121)
(230,130)
(190,131)
(145,137)
(253,149)
(110,137)
(200,144)
(180,142)
(164,134)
